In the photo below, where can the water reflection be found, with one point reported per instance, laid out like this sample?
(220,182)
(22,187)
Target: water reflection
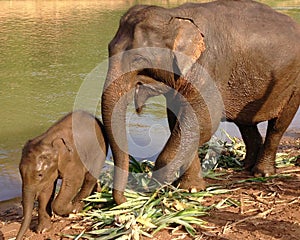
(48,49)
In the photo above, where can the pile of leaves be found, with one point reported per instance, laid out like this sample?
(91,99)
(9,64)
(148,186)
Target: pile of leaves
(151,207)
(144,214)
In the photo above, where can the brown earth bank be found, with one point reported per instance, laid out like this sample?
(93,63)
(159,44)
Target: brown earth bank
(254,210)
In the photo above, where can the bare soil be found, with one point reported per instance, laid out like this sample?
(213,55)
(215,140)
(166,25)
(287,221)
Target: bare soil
(259,210)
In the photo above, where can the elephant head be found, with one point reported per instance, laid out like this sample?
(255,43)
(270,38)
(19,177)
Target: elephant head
(151,43)
(39,170)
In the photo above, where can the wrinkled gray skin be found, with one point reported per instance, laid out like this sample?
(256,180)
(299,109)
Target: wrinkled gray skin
(250,52)
(60,153)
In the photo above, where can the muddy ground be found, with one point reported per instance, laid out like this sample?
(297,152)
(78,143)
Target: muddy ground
(266,210)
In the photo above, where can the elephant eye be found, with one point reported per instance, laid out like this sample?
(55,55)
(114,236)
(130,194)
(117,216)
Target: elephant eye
(39,175)
(45,157)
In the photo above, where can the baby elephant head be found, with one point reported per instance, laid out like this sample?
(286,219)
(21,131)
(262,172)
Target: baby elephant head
(39,162)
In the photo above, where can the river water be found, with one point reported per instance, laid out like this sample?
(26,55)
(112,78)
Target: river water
(53,60)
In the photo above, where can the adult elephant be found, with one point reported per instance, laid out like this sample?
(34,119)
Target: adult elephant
(237,60)
(73,149)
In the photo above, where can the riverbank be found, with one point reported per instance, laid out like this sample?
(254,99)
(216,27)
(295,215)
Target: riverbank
(259,214)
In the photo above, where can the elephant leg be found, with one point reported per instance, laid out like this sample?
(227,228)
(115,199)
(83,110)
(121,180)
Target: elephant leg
(172,110)
(253,142)
(45,199)
(265,165)
(89,184)
(71,183)
(180,154)
(191,178)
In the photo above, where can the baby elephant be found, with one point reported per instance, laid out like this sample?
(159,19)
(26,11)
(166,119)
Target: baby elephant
(74,149)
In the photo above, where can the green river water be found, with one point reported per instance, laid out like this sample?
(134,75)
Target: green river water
(53,60)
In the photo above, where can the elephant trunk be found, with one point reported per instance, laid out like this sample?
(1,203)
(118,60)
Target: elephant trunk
(28,202)
(114,105)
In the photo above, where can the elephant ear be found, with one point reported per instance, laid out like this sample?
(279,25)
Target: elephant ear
(61,145)
(188,43)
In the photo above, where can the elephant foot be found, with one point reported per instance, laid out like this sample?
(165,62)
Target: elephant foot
(249,164)
(263,171)
(44,225)
(62,209)
(119,197)
(78,206)
(192,184)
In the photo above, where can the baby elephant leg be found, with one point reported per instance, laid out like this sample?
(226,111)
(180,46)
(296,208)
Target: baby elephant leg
(71,184)
(89,185)
(45,212)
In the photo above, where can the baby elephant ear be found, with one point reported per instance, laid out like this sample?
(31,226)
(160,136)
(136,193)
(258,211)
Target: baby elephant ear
(60,143)
(188,43)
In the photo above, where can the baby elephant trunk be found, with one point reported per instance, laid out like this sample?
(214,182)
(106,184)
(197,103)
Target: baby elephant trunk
(28,201)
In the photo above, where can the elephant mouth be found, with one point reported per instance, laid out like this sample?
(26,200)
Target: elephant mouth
(139,109)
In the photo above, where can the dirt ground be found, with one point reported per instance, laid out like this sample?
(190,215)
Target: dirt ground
(258,210)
